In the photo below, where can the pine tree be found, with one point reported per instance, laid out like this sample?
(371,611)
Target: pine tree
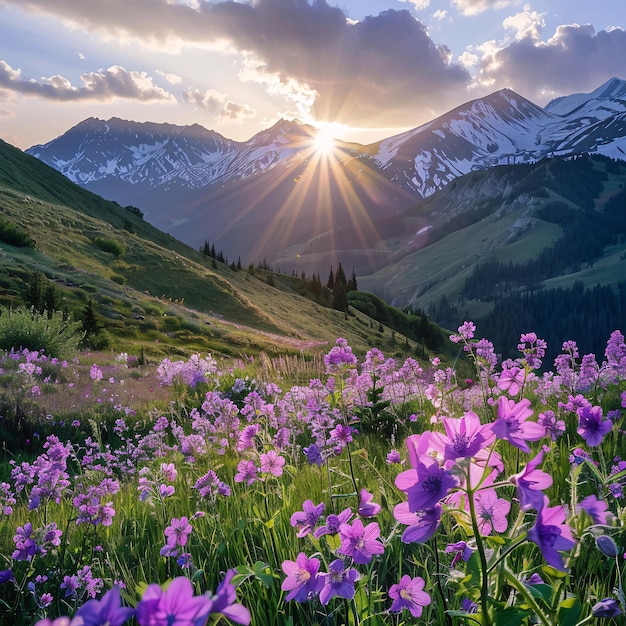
(331,279)
(90,320)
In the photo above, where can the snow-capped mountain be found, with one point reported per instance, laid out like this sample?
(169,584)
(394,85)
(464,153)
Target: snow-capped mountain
(179,175)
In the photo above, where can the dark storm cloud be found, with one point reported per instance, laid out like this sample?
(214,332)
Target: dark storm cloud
(576,58)
(374,72)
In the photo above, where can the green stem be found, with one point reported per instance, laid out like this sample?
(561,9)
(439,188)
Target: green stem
(523,591)
(484,590)
(438,579)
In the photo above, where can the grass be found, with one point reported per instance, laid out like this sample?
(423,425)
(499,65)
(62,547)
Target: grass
(251,529)
(154,295)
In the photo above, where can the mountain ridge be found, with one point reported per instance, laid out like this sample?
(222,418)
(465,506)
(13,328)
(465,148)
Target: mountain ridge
(198,185)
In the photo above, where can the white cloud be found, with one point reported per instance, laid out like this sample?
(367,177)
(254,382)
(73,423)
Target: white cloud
(172,79)
(526,24)
(112,83)
(474,7)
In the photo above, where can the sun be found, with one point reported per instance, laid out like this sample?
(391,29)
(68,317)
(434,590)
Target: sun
(323,141)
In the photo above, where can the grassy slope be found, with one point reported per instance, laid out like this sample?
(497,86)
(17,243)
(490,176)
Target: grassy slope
(422,277)
(159,295)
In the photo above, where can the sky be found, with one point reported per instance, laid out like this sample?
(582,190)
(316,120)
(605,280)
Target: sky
(361,69)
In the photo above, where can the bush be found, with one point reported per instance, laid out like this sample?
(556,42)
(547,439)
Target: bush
(15,235)
(111,246)
(25,328)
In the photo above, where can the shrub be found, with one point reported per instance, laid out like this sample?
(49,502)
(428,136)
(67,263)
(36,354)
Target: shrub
(118,278)
(15,235)
(109,245)
(25,328)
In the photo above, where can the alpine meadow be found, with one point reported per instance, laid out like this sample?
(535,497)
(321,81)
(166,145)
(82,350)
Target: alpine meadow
(352,353)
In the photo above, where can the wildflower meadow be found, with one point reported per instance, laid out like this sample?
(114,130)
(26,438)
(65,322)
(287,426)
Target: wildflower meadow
(487,492)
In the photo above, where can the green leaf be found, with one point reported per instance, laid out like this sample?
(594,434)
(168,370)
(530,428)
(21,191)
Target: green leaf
(333,541)
(511,616)
(541,591)
(568,612)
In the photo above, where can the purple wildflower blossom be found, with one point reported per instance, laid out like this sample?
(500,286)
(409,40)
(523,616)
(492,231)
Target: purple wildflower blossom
(606,608)
(247,472)
(306,519)
(591,425)
(512,380)
(422,525)
(302,579)
(367,508)
(409,594)
(425,485)
(333,523)
(465,436)
(223,602)
(461,551)
(339,581)
(491,512)
(530,483)
(552,534)
(313,455)
(597,509)
(360,542)
(175,606)
(107,610)
(272,463)
(512,425)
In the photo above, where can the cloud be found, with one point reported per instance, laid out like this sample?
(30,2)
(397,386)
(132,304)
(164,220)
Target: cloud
(381,69)
(575,58)
(525,24)
(112,83)
(236,112)
(172,79)
(474,7)
(217,103)
(418,4)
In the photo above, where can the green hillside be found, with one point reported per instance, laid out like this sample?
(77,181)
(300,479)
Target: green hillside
(510,246)
(150,292)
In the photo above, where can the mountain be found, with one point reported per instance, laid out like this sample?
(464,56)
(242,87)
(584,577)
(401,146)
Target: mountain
(276,197)
(153,294)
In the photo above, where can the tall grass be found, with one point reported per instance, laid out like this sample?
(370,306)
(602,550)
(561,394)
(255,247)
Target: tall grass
(138,469)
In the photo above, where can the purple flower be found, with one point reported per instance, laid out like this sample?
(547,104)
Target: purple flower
(422,525)
(464,437)
(512,380)
(530,482)
(597,509)
(425,485)
(552,534)
(108,610)
(461,551)
(360,542)
(394,457)
(606,608)
(272,463)
(175,606)
(223,602)
(491,512)
(591,426)
(302,578)
(333,523)
(512,425)
(367,508)
(177,534)
(313,455)
(339,581)
(306,519)
(409,594)
(6,576)
(246,472)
